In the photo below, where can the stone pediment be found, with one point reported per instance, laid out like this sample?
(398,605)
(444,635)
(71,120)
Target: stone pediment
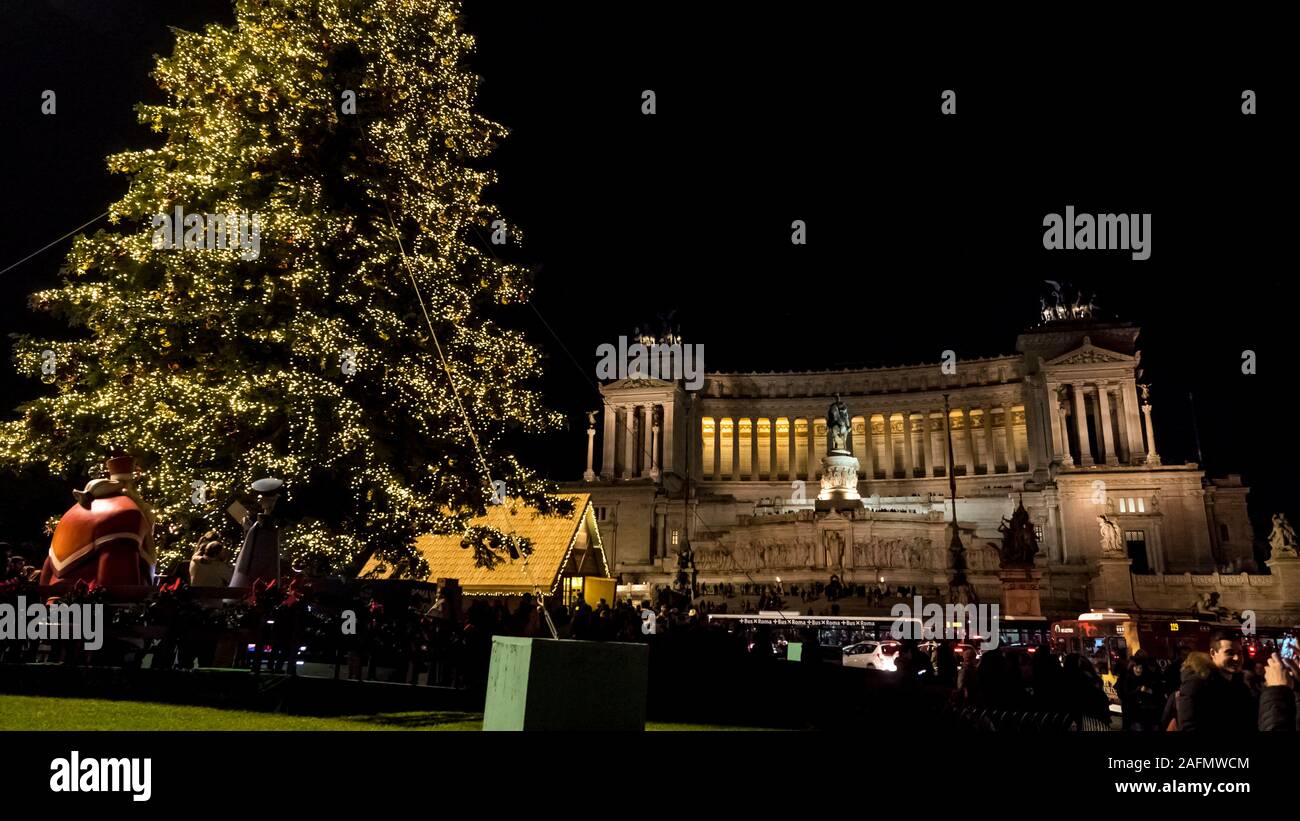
(635,383)
(1090,354)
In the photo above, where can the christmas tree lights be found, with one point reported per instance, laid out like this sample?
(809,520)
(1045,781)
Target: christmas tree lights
(212,368)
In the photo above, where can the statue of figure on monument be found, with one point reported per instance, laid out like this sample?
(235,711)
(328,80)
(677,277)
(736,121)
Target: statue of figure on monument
(1112,539)
(833,541)
(840,468)
(1019,540)
(803,553)
(838,427)
(1208,604)
(1282,539)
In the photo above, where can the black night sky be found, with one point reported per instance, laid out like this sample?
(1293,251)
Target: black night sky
(924,231)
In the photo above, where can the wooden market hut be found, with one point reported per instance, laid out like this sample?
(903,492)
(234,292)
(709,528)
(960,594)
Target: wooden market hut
(567,562)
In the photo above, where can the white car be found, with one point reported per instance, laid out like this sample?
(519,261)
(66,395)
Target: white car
(873,655)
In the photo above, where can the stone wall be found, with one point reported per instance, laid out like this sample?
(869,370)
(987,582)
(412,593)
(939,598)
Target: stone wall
(1274,597)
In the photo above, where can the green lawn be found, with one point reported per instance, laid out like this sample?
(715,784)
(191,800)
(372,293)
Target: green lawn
(39,713)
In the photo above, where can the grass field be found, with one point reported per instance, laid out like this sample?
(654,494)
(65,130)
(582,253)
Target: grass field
(38,713)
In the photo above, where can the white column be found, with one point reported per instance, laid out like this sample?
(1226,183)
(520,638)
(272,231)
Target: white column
(646,415)
(990,457)
(815,451)
(755,451)
(654,447)
(1056,411)
(969,429)
(1040,436)
(889,445)
(1103,424)
(1062,406)
(1122,443)
(867,458)
(927,445)
(717,448)
(1153,458)
(629,441)
(754,465)
(1009,430)
(908,454)
(1081,424)
(1123,451)
(1133,418)
(607,460)
(589,475)
(735,448)
(794,449)
(669,442)
(773,466)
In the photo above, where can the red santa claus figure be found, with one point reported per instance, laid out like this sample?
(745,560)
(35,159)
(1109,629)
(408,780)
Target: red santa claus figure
(107,536)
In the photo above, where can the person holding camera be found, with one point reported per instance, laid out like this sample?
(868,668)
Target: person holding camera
(1279,703)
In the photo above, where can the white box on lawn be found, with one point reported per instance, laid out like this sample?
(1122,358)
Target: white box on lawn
(549,684)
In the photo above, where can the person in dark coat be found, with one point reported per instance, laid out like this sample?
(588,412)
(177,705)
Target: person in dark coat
(1140,696)
(966,675)
(945,665)
(1048,681)
(913,664)
(1172,674)
(997,683)
(1193,664)
(1279,704)
(1083,692)
(1221,701)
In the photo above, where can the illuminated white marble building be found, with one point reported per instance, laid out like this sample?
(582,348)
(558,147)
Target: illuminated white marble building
(1062,424)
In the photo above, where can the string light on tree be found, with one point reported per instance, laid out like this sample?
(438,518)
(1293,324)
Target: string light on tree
(203,364)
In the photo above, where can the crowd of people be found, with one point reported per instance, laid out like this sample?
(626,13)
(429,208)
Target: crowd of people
(1217,691)
(1221,690)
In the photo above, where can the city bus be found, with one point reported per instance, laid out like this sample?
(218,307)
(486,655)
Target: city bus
(1023,631)
(784,628)
(841,631)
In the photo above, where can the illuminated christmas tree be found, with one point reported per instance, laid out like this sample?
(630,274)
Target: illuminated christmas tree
(329,130)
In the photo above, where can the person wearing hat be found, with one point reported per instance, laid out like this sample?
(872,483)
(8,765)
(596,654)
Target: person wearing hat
(259,558)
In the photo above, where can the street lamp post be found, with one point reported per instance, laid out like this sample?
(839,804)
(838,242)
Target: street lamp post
(960,590)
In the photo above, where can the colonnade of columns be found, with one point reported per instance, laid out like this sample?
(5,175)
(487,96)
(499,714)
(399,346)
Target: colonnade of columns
(889,444)
(637,441)
(1097,423)
(1092,422)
